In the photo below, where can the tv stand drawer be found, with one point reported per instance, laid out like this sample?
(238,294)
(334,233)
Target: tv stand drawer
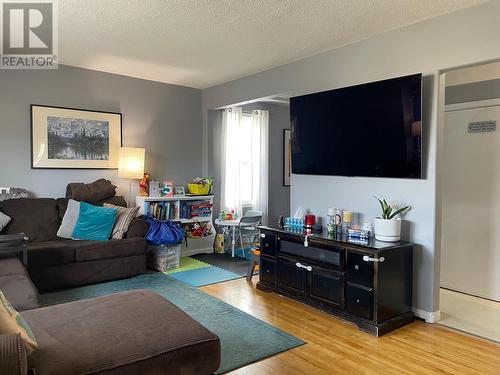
(331,256)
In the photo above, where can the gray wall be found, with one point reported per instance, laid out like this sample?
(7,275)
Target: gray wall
(164,119)
(429,47)
(279,119)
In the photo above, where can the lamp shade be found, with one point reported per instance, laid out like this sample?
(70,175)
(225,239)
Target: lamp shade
(131,162)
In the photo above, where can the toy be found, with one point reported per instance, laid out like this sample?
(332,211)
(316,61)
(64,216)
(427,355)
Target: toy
(219,243)
(179,191)
(197,230)
(144,185)
(167,189)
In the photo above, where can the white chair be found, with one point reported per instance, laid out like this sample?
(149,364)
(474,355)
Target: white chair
(247,227)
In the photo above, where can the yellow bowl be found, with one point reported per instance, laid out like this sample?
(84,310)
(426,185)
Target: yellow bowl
(198,189)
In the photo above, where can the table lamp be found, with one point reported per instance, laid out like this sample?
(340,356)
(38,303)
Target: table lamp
(131,166)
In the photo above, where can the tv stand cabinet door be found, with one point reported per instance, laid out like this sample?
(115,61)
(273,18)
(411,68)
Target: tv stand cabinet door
(327,287)
(292,277)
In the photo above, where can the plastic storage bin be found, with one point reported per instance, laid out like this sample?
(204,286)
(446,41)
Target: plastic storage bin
(163,257)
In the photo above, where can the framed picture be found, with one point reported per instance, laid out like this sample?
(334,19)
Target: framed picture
(287,157)
(179,191)
(74,138)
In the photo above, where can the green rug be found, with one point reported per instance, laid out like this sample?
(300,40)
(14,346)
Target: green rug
(244,339)
(187,264)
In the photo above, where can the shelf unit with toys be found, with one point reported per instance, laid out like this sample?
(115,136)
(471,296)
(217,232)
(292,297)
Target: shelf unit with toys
(195,213)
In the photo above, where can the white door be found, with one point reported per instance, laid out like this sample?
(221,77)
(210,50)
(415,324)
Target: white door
(470,260)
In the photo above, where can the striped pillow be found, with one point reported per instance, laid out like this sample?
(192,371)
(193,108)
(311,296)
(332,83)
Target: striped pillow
(124,217)
(11,322)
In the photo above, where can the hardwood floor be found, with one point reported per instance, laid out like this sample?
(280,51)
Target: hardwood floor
(337,347)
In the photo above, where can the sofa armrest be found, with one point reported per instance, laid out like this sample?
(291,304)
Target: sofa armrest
(12,355)
(137,228)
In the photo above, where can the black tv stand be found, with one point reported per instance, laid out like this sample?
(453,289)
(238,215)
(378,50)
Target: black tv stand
(368,283)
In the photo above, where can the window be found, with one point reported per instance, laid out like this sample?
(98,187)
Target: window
(244,160)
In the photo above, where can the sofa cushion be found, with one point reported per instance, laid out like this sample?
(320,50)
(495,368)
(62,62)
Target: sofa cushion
(50,253)
(94,223)
(93,250)
(69,219)
(94,192)
(38,218)
(71,275)
(151,336)
(124,217)
(17,286)
(62,204)
(137,228)
(12,266)
(20,292)
(4,220)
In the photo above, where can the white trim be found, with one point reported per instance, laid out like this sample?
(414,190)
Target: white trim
(429,317)
(472,105)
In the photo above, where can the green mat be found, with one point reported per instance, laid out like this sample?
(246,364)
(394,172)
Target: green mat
(244,339)
(187,264)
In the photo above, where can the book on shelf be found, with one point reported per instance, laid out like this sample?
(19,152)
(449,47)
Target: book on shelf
(161,210)
(192,209)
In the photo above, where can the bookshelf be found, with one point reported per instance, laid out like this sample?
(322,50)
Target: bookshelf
(195,213)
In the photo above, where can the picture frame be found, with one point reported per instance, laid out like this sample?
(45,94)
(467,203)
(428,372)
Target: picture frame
(72,138)
(179,191)
(287,157)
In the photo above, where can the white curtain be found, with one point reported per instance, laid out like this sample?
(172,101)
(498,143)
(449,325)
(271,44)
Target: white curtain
(260,144)
(245,160)
(230,192)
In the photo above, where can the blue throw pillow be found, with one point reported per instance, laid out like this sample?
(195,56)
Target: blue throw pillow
(94,223)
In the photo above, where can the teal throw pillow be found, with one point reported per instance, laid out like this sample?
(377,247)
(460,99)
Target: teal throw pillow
(94,223)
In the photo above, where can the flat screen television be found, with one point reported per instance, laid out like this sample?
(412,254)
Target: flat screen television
(369,130)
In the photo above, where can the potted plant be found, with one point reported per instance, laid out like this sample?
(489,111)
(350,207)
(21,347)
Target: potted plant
(388,226)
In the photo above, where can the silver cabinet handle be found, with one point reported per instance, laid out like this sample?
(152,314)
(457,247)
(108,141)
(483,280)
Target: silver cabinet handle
(306,239)
(262,235)
(366,258)
(300,265)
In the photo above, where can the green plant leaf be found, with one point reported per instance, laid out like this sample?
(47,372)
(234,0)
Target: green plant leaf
(389,212)
(400,211)
(381,204)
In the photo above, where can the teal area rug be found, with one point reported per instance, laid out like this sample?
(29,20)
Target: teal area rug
(244,339)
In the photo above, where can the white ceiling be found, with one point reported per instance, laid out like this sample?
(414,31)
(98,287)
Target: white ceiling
(201,43)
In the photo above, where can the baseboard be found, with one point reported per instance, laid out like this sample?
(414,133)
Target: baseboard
(429,317)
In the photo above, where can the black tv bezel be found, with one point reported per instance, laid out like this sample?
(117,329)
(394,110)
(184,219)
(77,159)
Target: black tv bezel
(421,176)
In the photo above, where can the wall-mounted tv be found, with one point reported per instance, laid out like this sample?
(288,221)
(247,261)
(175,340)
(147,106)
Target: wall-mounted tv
(368,130)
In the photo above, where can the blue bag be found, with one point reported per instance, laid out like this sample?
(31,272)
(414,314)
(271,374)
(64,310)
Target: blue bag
(164,232)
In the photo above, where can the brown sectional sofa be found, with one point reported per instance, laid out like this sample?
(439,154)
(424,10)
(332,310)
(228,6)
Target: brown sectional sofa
(55,263)
(135,332)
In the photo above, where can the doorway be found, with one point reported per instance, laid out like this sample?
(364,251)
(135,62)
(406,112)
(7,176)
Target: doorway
(470,241)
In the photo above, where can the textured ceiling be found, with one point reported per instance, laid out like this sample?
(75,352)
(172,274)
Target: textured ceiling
(200,43)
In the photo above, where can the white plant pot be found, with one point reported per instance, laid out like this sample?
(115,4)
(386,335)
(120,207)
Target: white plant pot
(388,230)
